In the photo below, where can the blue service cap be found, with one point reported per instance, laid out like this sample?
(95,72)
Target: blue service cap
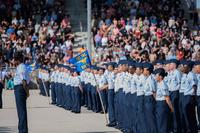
(148,65)
(60,65)
(174,61)
(66,67)
(166,62)
(131,63)
(196,63)
(138,65)
(72,70)
(101,68)
(186,62)
(114,64)
(94,67)
(158,62)
(123,62)
(105,64)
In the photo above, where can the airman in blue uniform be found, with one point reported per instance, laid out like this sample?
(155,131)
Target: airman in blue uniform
(149,98)
(76,91)
(21,80)
(189,98)
(52,85)
(181,95)
(67,89)
(102,89)
(110,77)
(174,83)
(140,118)
(163,102)
(197,72)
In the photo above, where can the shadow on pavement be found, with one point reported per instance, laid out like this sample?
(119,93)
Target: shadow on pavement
(101,132)
(7,130)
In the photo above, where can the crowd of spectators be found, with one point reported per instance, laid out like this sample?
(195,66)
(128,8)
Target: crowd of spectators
(144,30)
(41,29)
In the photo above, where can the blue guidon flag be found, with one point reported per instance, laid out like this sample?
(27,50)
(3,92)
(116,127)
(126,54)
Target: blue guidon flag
(32,67)
(81,61)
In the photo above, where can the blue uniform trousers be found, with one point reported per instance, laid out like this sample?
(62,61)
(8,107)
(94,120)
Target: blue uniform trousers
(190,113)
(162,115)
(59,99)
(103,94)
(53,93)
(120,109)
(56,92)
(111,108)
(83,96)
(149,108)
(140,115)
(76,94)
(127,112)
(133,109)
(94,98)
(174,96)
(62,95)
(89,97)
(20,99)
(68,97)
(182,119)
(116,102)
(1,100)
(198,109)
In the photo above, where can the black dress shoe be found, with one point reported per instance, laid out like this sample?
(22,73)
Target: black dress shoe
(111,125)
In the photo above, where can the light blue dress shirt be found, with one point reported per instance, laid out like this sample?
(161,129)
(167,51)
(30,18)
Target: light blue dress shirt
(21,74)
(191,81)
(162,91)
(111,80)
(102,81)
(149,85)
(133,81)
(174,80)
(198,85)
(183,83)
(140,85)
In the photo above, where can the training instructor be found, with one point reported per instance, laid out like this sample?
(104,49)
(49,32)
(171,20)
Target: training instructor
(21,91)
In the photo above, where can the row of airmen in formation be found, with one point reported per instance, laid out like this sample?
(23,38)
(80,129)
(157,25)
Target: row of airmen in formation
(139,97)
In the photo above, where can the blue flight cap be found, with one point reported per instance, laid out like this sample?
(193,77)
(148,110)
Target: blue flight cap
(166,62)
(101,68)
(138,65)
(148,65)
(158,62)
(67,67)
(186,62)
(175,61)
(123,62)
(196,63)
(113,64)
(72,70)
(105,64)
(131,63)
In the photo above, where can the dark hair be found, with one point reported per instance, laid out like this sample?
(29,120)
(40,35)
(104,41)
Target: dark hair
(161,72)
(18,56)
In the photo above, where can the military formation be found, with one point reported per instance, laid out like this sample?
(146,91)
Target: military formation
(159,97)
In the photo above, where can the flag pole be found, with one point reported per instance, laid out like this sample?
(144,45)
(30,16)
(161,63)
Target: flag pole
(45,89)
(103,108)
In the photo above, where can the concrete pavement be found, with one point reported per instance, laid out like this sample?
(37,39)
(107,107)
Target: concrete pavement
(45,118)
